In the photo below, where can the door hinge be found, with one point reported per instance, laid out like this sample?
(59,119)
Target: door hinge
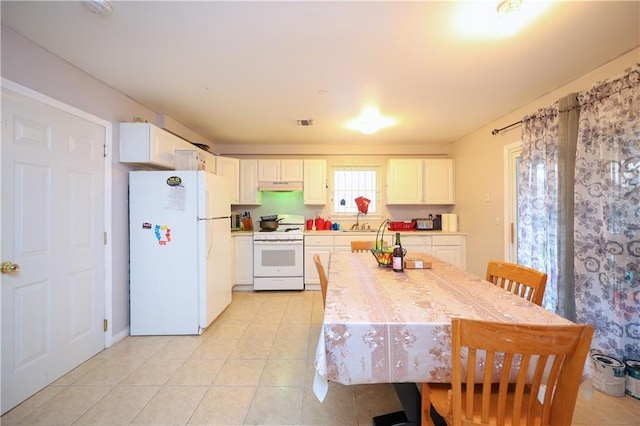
(105,325)
(106,152)
(104,238)
(513,233)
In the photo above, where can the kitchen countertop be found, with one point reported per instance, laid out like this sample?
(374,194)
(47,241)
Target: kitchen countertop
(362,233)
(238,233)
(386,232)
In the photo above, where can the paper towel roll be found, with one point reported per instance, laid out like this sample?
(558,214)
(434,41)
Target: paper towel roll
(452,221)
(445,222)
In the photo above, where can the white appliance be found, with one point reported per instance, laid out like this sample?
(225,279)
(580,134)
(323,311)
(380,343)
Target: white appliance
(179,242)
(278,256)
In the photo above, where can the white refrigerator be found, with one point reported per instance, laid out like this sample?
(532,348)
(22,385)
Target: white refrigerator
(180,251)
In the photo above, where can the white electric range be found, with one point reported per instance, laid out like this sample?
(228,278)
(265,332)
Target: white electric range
(278,256)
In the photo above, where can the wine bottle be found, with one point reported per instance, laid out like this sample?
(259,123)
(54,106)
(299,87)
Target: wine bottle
(398,255)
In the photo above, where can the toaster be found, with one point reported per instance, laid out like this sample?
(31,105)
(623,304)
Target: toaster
(432,223)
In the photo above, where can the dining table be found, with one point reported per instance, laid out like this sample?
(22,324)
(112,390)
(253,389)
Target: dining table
(382,326)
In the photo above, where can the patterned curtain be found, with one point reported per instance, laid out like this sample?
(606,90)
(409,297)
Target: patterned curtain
(538,197)
(607,215)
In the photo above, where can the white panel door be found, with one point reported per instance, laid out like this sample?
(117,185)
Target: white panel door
(52,227)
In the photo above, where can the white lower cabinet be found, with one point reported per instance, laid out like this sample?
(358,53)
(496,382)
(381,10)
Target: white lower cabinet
(243,259)
(342,243)
(316,244)
(450,248)
(415,244)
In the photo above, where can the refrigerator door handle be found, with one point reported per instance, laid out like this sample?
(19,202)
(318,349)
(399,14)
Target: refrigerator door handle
(214,218)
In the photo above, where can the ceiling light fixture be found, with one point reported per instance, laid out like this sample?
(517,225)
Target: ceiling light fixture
(370,121)
(505,7)
(100,7)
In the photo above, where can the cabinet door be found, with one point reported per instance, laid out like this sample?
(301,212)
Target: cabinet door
(248,188)
(145,143)
(269,170)
(450,248)
(310,272)
(243,254)
(439,185)
(162,147)
(415,244)
(230,168)
(404,181)
(315,182)
(451,254)
(291,170)
(316,244)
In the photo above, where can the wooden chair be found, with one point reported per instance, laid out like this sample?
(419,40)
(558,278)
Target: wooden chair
(323,277)
(520,280)
(361,246)
(534,355)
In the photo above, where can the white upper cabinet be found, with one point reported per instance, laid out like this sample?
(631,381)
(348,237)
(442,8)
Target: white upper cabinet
(280,170)
(144,143)
(315,182)
(419,181)
(248,187)
(439,186)
(230,168)
(404,181)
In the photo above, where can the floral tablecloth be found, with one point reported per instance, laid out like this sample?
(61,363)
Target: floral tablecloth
(386,327)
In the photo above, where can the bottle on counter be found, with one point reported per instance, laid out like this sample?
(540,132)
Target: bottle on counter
(398,255)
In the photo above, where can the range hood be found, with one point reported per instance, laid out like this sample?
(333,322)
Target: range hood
(280,186)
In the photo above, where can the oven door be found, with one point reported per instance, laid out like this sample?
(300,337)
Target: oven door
(278,259)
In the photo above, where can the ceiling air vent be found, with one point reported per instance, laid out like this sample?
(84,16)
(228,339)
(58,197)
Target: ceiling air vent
(307,122)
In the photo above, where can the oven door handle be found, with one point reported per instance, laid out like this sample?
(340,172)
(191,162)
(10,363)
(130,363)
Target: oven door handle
(277,242)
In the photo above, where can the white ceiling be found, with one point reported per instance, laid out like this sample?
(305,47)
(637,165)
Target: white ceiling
(244,72)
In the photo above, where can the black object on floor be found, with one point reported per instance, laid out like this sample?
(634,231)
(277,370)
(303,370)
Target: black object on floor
(391,419)
(438,420)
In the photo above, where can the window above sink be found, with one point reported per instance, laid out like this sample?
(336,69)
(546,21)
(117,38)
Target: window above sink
(351,182)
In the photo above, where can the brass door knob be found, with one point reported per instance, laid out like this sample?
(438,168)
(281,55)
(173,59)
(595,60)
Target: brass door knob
(9,268)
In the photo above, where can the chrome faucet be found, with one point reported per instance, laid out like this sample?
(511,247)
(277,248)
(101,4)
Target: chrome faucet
(356,226)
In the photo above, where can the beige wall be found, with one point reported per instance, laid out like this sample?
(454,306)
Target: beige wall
(480,171)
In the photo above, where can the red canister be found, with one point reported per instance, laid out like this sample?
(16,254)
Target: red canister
(319,224)
(327,225)
(309,224)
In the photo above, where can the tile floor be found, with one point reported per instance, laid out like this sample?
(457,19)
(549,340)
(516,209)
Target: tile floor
(252,366)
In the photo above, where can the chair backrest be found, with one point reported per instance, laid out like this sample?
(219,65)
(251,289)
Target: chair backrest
(520,280)
(526,355)
(361,246)
(323,277)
